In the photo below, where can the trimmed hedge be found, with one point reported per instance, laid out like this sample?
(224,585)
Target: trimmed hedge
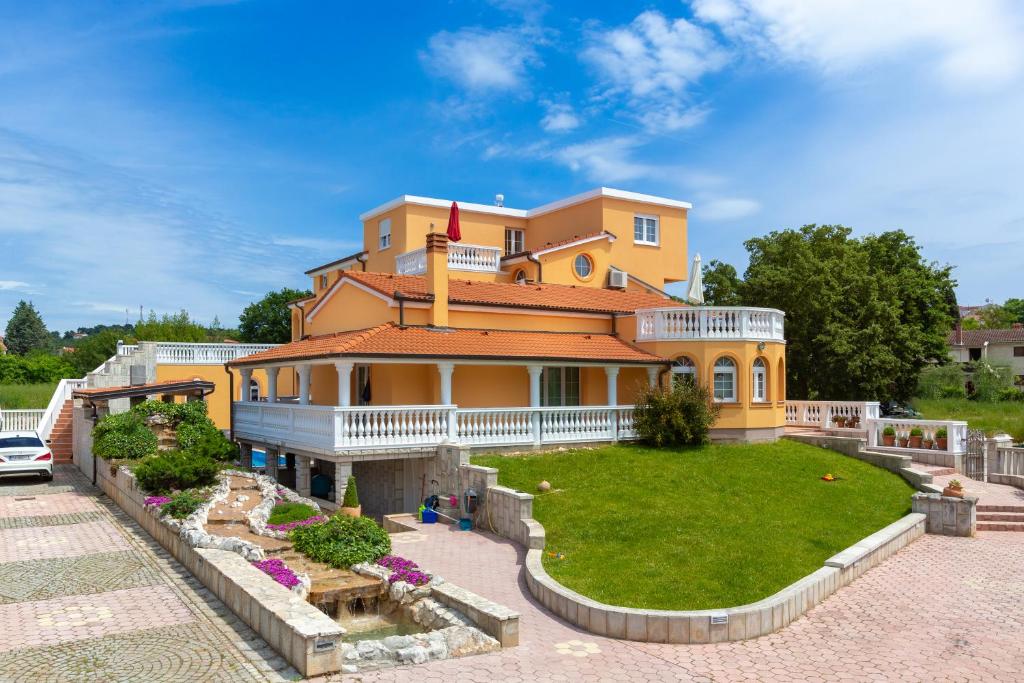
(175,471)
(342,541)
(123,436)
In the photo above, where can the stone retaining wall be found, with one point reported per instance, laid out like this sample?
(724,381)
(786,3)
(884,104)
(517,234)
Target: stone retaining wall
(307,638)
(946,515)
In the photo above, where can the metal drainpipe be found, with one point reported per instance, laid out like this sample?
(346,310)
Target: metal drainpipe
(615,327)
(540,266)
(400,298)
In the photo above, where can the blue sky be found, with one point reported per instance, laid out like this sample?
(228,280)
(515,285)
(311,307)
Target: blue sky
(197,154)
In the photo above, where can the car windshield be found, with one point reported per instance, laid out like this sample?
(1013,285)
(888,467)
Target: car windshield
(20,442)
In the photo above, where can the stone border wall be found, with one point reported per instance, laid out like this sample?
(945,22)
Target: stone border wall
(946,515)
(306,637)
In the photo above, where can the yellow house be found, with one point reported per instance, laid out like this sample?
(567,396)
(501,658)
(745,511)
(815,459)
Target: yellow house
(537,327)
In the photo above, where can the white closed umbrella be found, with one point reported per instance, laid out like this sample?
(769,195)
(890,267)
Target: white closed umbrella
(695,292)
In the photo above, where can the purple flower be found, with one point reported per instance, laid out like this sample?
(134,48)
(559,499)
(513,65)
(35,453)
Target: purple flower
(279,571)
(156,501)
(288,526)
(403,570)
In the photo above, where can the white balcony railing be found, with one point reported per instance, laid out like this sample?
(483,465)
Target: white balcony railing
(821,413)
(956,434)
(20,420)
(466,257)
(175,353)
(1009,461)
(60,397)
(331,429)
(710,322)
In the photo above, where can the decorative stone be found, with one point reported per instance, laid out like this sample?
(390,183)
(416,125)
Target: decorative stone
(544,486)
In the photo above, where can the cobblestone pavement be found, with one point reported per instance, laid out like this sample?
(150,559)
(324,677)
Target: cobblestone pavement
(942,609)
(986,492)
(89,596)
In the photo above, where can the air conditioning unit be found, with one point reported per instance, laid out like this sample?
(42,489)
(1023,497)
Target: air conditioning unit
(617,279)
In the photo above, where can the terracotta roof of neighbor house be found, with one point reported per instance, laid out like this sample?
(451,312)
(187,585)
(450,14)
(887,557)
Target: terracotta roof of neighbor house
(391,341)
(534,295)
(979,337)
(172,386)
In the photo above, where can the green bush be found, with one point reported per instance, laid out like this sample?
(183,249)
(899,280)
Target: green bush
(1011,394)
(35,368)
(941,381)
(990,380)
(123,436)
(290,512)
(175,471)
(183,504)
(351,498)
(342,541)
(680,417)
(207,441)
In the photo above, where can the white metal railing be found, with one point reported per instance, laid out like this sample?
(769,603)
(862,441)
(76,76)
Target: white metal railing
(467,257)
(956,433)
(1009,461)
(180,353)
(20,420)
(126,349)
(331,428)
(60,396)
(821,414)
(710,322)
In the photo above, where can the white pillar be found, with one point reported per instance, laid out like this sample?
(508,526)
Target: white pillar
(304,373)
(652,376)
(535,373)
(245,377)
(612,374)
(344,369)
(446,370)
(272,374)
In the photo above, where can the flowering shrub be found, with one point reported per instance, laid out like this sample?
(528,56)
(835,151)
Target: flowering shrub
(288,526)
(403,570)
(156,501)
(279,571)
(342,541)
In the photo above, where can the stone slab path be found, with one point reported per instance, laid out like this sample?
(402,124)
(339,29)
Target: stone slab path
(87,595)
(942,609)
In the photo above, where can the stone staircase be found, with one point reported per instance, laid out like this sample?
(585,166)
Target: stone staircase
(62,438)
(1000,517)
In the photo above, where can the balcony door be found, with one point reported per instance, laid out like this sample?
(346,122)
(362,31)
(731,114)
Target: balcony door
(560,387)
(364,396)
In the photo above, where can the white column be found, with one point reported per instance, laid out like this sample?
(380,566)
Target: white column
(304,373)
(272,374)
(652,376)
(344,383)
(612,374)
(245,377)
(446,370)
(535,372)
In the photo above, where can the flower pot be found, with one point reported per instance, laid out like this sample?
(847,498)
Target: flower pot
(839,422)
(904,442)
(927,444)
(352,512)
(915,441)
(941,443)
(888,440)
(953,493)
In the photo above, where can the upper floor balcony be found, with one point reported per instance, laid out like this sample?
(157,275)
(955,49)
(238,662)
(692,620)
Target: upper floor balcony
(710,322)
(466,257)
(182,353)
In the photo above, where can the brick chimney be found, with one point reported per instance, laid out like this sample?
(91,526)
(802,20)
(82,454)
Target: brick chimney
(437,277)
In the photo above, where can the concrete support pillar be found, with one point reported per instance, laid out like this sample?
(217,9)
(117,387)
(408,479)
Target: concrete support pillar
(245,455)
(272,375)
(446,370)
(344,369)
(245,377)
(304,374)
(992,446)
(535,373)
(302,475)
(342,471)
(612,374)
(271,465)
(652,377)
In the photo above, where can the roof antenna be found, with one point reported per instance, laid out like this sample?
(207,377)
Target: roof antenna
(499,200)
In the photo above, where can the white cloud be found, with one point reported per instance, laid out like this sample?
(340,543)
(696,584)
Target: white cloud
(559,118)
(13,284)
(314,243)
(726,209)
(480,60)
(605,160)
(977,43)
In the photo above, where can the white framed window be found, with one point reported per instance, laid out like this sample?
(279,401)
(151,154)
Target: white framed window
(384,232)
(560,387)
(645,229)
(520,277)
(683,370)
(724,381)
(515,241)
(254,390)
(323,281)
(583,265)
(760,381)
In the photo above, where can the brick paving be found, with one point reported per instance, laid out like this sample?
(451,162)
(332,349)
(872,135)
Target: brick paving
(91,597)
(987,492)
(942,609)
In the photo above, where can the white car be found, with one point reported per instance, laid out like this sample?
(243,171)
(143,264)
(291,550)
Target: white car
(23,453)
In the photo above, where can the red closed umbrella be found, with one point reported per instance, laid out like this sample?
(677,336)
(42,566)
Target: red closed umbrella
(454,233)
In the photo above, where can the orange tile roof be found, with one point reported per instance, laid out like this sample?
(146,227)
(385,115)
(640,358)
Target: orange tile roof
(167,386)
(390,341)
(540,296)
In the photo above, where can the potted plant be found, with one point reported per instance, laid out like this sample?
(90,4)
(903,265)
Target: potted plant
(839,420)
(904,440)
(916,436)
(954,489)
(853,421)
(927,442)
(940,438)
(350,502)
(889,436)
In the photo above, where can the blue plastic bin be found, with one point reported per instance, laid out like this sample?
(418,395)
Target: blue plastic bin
(429,516)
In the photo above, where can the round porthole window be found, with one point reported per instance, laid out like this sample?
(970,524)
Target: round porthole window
(584,266)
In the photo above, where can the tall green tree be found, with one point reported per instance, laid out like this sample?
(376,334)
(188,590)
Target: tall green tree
(26,331)
(1015,307)
(176,327)
(268,321)
(721,284)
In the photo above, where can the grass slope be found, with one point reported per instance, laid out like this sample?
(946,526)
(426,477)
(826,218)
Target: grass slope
(25,396)
(1001,416)
(702,528)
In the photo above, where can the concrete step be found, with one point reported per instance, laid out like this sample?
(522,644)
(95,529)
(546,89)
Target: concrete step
(1001,526)
(1001,508)
(1001,516)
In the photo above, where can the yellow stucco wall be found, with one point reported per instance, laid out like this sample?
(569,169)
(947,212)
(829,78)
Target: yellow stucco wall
(218,403)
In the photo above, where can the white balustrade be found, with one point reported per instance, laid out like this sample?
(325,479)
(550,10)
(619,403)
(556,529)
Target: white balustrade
(60,397)
(20,420)
(956,433)
(467,257)
(495,426)
(180,353)
(577,424)
(402,426)
(821,414)
(1009,461)
(710,322)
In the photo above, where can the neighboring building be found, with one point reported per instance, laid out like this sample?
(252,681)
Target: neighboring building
(970,312)
(1003,347)
(538,327)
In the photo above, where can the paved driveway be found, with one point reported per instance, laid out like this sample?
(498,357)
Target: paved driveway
(87,595)
(942,609)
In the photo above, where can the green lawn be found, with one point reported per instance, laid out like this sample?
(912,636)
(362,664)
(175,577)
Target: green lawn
(25,396)
(1001,416)
(703,528)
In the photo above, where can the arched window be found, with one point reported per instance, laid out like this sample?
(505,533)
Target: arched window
(760,381)
(683,370)
(520,277)
(725,380)
(254,390)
